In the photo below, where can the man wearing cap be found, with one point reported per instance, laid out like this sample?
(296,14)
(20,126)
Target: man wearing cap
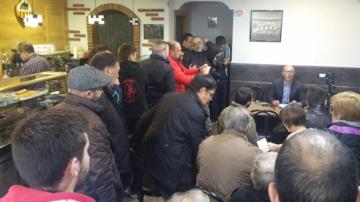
(103,182)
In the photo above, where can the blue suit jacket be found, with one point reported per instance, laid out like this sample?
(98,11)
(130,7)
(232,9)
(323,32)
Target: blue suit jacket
(296,91)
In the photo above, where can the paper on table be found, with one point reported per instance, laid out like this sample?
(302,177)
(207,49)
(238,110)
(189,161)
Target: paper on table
(263,145)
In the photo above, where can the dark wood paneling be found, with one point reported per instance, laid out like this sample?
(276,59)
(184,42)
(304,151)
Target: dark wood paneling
(262,75)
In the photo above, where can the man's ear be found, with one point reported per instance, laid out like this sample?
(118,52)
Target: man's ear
(358,195)
(74,167)
(273,194)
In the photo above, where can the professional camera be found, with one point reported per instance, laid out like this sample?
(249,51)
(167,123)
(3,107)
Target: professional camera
(219,58)
(328,75)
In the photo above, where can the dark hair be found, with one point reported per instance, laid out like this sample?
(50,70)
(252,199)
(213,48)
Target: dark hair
(202,81)
(25,47)
(243,95)
(315,96)
(186,36)
(125,50)
(293,115)
(315,166)
(96,49)
(220,40)
(43,144)
(103,59)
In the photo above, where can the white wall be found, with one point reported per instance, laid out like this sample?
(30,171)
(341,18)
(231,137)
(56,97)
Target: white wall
(315,32)
(78,22)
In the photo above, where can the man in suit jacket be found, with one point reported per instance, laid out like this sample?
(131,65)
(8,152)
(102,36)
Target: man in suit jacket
(286,90)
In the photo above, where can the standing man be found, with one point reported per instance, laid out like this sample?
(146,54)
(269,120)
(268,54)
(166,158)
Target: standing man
(174,130)
(50,152)
(86,85)
(33,63)
(183,75)
(159,73)
(198,56)
(287,90)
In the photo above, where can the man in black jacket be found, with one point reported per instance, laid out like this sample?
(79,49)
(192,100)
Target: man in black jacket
(287,90)
(317,114)
(175,128)
(159,73)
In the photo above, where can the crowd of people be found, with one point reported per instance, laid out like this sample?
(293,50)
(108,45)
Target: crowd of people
(123,123)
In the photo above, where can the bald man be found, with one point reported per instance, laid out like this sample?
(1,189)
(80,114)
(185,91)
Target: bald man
(287,90)
(314,166)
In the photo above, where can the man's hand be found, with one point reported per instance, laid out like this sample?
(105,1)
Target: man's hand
(192,66)
(226,61)
(204,69)
(274,147)
(275,103)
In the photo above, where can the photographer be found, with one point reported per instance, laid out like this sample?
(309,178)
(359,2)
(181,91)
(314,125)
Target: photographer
(219,72)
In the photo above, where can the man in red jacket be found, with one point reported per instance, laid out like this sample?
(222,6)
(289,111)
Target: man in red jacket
(183,75)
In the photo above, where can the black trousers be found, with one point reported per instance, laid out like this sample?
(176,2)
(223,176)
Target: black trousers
(220,100)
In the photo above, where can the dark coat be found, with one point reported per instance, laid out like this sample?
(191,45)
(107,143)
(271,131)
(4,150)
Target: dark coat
(171,142)
(195,58)
(318,117)
(133,82)
(249,194)
(160,78)
(117,129)
(103,181)
(296,91)
(349,134)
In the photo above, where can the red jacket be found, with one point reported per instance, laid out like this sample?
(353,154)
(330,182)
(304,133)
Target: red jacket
(182,75)
(24,194)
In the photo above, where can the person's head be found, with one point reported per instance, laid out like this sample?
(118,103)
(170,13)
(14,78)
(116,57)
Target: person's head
(50,150)
(263,170)
(175,50)
(127,53)
(160,47)
(315,96)
(236,118)
(220,42)
(192,195)
(204,86)
(198,44)
(96,49)
(288,73)
(292,116)
(187,40)
(314,166)
(25,49)
(107,63)
(87,81)
(346,106)
(243,96)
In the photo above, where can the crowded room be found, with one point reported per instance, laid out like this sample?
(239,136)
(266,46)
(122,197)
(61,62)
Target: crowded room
(179,101)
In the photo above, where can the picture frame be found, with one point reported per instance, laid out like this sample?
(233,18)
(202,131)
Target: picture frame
(154,31)
(212,21)
(266,25)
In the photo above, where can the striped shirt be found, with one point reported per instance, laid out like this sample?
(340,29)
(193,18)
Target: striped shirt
(35,64)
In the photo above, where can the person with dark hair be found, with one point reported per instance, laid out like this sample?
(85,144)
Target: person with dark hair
(317,115)
(50,152)
(111,116)
(86,84)
(173,132)
(315,166)
(160,75)
(133,81)
(90,53)
(186,42)
(287,90)
(33,63)
(225,161)
(242,99)
(293,117)
(183,75)
(345,113)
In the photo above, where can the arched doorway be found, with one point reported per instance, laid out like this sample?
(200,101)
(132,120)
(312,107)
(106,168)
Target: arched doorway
(116,29)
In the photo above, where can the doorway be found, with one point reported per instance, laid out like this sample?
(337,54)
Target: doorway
(181,24)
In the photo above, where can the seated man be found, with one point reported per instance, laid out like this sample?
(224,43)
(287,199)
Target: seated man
(225,161)
(174,130)
(261,175)
(242,99)
(287,90)
(346,121)
(50,152)
(314,166)
(317,115)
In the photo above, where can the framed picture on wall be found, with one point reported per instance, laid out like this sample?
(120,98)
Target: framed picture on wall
(212,21)
(154,31)
(266,25)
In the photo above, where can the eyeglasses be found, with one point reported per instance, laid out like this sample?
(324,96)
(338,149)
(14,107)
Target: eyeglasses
(211,94)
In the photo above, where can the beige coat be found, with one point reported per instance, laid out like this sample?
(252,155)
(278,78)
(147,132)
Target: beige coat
(225,162)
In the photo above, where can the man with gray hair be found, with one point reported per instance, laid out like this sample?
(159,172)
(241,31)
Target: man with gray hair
(193,195)
(262,174)
(225,161)
(159,73)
